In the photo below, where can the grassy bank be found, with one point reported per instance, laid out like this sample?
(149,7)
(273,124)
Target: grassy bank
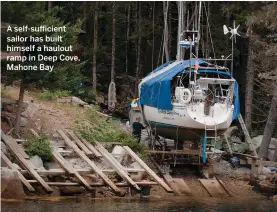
(98,127)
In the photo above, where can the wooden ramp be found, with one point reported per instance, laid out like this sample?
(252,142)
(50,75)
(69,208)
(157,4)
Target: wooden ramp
(214,187)
(23,159)
(86,151)
(178,186)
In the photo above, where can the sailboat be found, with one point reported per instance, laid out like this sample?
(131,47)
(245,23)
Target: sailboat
(188,99)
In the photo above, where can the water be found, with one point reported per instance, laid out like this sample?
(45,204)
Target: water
(157,205)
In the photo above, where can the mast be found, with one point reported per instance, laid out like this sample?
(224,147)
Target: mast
(198,30)
(198,42)
(178,57)
(232,63)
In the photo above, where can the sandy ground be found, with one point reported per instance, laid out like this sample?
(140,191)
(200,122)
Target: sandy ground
(47,116)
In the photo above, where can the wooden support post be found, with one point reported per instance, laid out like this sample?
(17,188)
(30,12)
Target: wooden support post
(247,136)
(34,133)
(143,183)
(147,169)
(21,177)
(69,168)
(16,146)
(254,166)
(227,141)
(24,162)
(116,165)
(80,144)
(91,147)
(89,162)
(63,163)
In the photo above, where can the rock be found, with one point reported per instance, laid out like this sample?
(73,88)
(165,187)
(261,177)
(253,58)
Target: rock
(100,99)
(262,177)
(77,167)
(240,172)
(56,135)
(253,180)
(274,198)
(51,165)
(104,164)
(246,177)
(88,106)
(36,161)
(23,122)
(78,162)
(89,179)
(222,167)
(267,188)
(3,148)
(239,147)
(71,190)
(41,169)
(120,151)
(257,143)
(77,100)
(140,175)
(15,166)
(270,154)
(229,131)
(64,100)
(11,186)
(56,191)
(135,165)
(31,109)
(266,170)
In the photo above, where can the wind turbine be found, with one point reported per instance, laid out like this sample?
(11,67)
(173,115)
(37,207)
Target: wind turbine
(233,31)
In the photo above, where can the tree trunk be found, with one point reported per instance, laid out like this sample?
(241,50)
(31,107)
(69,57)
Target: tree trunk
(249,86)
(49,5)
(85,11)
(94,64)
(269,127)
(169,30)
(127,36)
(19,107)
(138,46)
(153,35)
(113,45)
(165,9)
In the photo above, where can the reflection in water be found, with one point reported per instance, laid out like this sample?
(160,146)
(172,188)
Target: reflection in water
(157,205)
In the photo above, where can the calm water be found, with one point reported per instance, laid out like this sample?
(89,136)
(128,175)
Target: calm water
(174,204)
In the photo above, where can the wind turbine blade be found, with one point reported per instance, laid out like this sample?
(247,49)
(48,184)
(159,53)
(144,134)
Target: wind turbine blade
(225,29)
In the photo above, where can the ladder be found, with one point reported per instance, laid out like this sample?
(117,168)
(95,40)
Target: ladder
(247,136)
(211,137)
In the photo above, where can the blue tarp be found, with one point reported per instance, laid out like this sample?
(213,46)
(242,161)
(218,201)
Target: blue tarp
(156,92)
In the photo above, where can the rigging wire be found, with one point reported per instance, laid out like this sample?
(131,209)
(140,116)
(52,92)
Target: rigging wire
(210,31)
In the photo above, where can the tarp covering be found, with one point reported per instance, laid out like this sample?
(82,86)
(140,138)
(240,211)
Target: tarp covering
(156,91)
